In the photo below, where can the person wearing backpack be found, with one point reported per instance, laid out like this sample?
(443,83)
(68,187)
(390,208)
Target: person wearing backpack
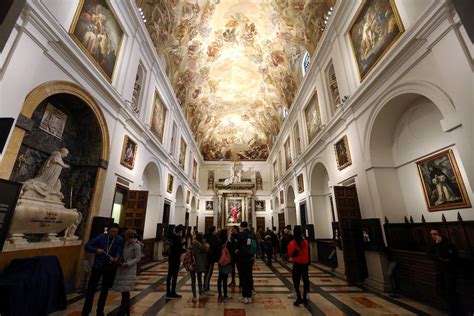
(244,262)
(199,249)
(225,265)
(232,246)
(174,261)
(299,251)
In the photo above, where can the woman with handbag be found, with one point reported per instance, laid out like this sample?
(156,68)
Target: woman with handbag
(127,271)
(299,252)
(225,265)
(199,249)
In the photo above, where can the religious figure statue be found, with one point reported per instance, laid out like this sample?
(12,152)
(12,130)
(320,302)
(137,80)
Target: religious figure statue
(210,180)
(70,232)
(235,174)
(46,183)
(259,181)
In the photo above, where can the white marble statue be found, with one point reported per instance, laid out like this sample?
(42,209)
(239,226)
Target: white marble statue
(46,184)
(70,232)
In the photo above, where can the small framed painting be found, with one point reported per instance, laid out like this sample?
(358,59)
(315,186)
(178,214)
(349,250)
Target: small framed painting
(209,205)
(98,33)
(376,28)
(129,152)
(300,183)
(169,186)
(260,205)
(443,186)
(343,154)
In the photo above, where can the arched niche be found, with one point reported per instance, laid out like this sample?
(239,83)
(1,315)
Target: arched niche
(151,182)
(193,212)
(85,135)
(180,206)
(290,208)
(320,195)
(405,129)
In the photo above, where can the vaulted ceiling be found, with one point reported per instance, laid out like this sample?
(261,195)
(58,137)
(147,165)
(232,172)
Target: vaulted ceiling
(235,66)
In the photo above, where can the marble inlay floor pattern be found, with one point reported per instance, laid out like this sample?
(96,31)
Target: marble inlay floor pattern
(329,295)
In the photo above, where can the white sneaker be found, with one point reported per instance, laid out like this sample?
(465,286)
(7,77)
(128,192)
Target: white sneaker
(242,299)
(249,300)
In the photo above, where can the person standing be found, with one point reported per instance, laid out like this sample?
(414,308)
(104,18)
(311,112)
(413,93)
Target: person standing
(232,245)
(268,246)
(127,271)
(199,249)
(174,260)
(444,254)
(299,251)
(225,266)
(244,262)
(108,251)
(212,256)
(286,238)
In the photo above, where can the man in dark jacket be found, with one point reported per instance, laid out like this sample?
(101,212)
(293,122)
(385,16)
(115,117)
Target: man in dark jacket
(244,262)
(174,261)
(212,256)
(233,246)
(108,251)
(285,241)
(444,254)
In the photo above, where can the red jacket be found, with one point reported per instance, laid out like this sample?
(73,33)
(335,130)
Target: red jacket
(303,253)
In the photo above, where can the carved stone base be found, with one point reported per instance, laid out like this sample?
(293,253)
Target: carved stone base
(8,246)
(51,237)
(18,239)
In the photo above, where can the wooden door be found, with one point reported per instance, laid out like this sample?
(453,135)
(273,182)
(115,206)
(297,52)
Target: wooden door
(135,212)
(303,215)
(281,221)
(260,222)
(208,222)
(166,213)
(348,212)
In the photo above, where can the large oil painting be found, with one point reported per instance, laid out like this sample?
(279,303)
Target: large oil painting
(158,118)
(288,157)
(99,34)
(313,118)
(443,186)
(343,154)
(182,153)
(300,183)
(195,167)
(234,66)
(234,209)
(376,28)
(129,152)
(169,185)
(260,205)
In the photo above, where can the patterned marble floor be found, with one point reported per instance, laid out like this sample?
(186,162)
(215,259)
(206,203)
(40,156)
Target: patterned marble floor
(328,296)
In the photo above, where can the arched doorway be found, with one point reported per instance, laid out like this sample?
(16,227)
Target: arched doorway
(180,207)
(290,209)
(151,182)
(406,129)
(321,203)
(193,213)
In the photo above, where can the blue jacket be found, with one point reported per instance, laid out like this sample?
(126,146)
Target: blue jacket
(101,241)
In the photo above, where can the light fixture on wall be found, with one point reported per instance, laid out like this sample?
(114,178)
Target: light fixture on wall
(325,21)
(140,11)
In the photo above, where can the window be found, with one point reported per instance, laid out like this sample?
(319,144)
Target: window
(173,140)
(137,89)
(335,98)
(305,63)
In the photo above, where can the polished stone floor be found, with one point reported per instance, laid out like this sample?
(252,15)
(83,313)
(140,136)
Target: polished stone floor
(329,296)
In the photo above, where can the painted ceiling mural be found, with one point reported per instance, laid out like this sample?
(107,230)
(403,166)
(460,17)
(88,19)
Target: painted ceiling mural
(234,66)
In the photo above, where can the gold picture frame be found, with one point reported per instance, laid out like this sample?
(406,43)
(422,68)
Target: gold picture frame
(158,117)
(443,186)
(169,185)
(234,213)
(374,31)
(90,36)
(343,153)
(129,152)
(300,182)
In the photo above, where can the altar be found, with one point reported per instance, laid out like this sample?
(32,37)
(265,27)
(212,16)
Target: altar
(235,203)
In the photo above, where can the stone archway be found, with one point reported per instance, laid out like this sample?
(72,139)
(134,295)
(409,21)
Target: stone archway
(179,207)
(193,213)
(290,207)
(320,194)
(151,182)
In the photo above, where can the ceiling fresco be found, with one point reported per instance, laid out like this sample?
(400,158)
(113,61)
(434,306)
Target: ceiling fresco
(234,66)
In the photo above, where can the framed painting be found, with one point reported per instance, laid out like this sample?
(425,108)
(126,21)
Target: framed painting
(288,158)
(195,167)
(209,205)
(234,208)
(443,186)
(275,171)
(129,152)
(313,118)
(169,186)
(182,153)
(299,179)
(375,29)
(158,118)
(260,205)
(282,201)
(97,31)
(343,154)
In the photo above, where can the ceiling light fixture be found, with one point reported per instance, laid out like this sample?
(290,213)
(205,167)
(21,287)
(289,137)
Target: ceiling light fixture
(142,15)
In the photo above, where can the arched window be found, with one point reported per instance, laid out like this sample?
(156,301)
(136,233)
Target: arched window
(305,63)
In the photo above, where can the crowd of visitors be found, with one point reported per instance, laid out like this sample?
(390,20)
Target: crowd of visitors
(235,251)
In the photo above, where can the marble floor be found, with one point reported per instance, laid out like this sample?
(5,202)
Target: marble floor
(329,295)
